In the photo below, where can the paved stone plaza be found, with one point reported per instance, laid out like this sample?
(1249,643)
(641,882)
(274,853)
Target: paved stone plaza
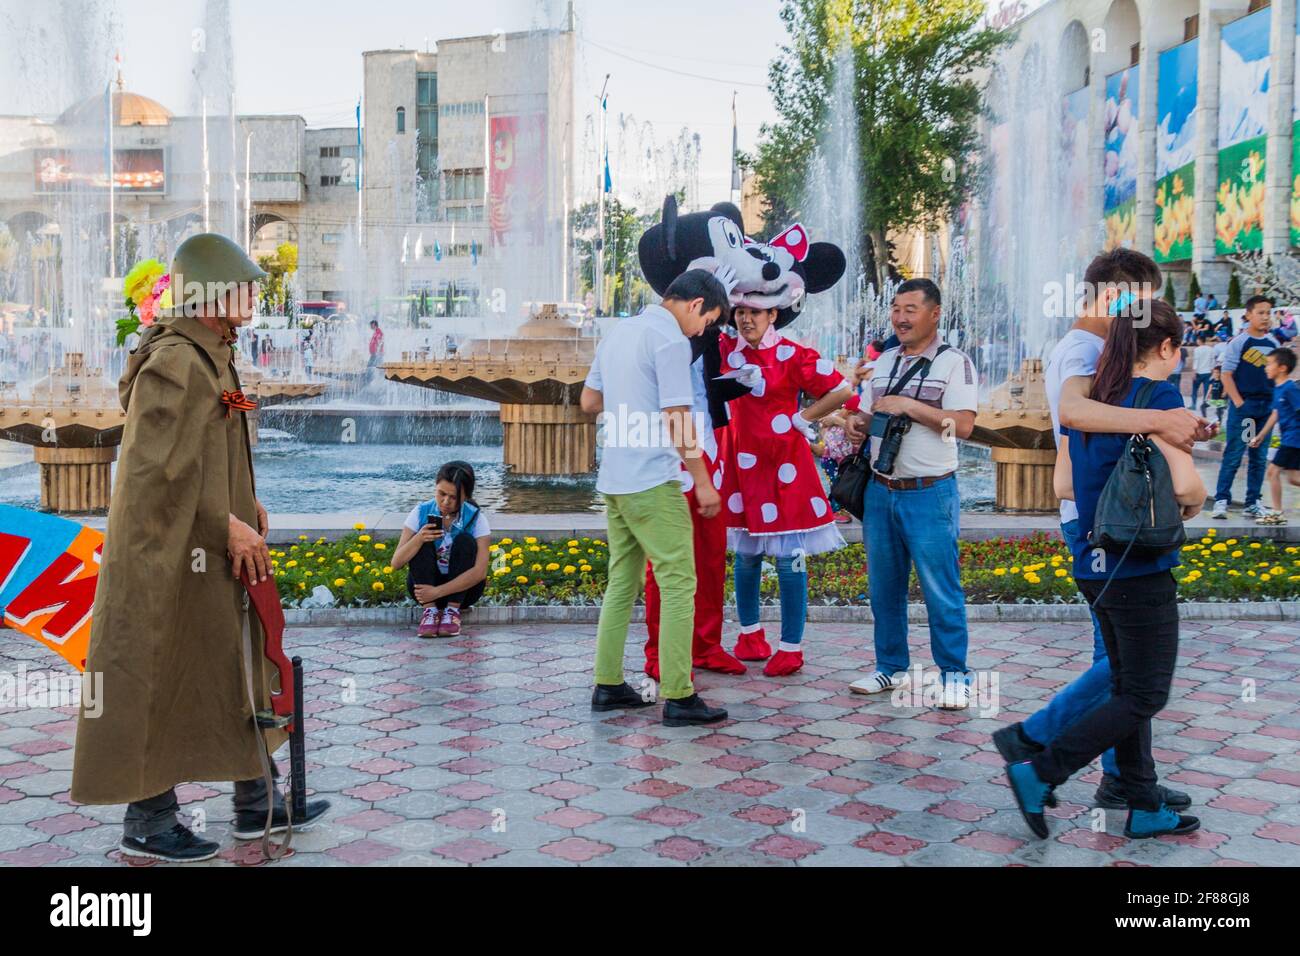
(483,750)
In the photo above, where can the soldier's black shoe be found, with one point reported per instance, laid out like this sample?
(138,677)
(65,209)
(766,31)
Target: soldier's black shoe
(177,845)
(1111,795)
(249,824)
(617,697)
(691,710)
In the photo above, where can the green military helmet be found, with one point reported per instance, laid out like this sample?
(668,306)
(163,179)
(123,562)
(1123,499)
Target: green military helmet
(204,267)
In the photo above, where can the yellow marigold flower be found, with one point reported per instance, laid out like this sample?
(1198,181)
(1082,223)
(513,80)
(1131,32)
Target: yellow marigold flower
(573,543)
(388,569)
(1032,578)
(364,537)
(552,567)
(1061,572)
(999,571)
(377,586)
(516,551)
(521,579)
(1256,544)
(537,567)
(1220,547)
(291,564)
(493,549)
(302,585)
(506,541)
(1266,576)
(1015,569)
(380,546)
(585,569)
(359,526)
(573,551)
(339,582)
(1212,531)
(516,562)
(530,540)
(569,569)
(500,571)
(1237,554)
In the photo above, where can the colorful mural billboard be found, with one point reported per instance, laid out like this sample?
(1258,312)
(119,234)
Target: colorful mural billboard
(1119,207)
(1243,134)
(1176,152)
(1295,153)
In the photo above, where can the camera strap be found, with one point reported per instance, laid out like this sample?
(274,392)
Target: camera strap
(922,366)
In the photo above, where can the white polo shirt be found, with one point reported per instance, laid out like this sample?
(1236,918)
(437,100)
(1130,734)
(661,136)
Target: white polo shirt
(950,383)
(642,366)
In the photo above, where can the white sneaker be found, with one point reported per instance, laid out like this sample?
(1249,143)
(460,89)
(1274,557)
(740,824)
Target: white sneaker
(878,683)
(1220,509)
(1257,510)
(956,695)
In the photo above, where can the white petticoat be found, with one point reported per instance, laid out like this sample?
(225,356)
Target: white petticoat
(787,544)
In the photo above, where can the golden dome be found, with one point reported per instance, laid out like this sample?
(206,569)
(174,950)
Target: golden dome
(129,109)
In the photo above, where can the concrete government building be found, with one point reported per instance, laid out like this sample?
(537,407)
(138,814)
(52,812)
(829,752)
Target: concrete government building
(424,163)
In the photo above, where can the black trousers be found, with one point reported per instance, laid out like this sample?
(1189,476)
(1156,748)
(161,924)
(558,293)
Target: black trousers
(1139,623)
(423,569)
(154,815)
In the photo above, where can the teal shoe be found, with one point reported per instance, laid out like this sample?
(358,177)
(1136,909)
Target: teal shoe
(1031,795)
(1144,824)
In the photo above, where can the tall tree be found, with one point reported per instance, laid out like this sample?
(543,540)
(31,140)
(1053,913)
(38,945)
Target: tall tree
(917,97)
(625,288)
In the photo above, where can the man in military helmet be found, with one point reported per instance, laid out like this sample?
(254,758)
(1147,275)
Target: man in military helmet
(167,633)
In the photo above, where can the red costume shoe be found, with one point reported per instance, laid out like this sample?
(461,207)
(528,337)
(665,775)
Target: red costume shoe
(783,663)
(753,646)
(716,659)
(652,669)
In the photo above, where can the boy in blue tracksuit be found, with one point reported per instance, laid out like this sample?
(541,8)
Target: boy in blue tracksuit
(1286,417)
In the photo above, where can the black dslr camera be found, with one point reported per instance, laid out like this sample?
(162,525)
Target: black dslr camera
(890,429)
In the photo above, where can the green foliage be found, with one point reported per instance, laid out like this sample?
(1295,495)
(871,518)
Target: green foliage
(625,288)
(917,68)
(276,296)
(1234,293)
(1169,292)
(1193,291)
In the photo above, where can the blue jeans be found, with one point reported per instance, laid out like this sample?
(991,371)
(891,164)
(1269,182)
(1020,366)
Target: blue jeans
(1201,386)
(1256,410)
(793,586)
(918,527)
(1082,694)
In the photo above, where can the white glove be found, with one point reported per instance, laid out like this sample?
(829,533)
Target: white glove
(806,428)
(749,375)
(727,276)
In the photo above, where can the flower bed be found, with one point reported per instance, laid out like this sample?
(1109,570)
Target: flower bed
(1034,569)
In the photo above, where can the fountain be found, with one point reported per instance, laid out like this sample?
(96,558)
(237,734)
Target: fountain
(74,421)
(536,375)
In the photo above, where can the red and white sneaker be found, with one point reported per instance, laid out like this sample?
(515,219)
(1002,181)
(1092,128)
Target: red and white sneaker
(429,622)
(450,626)
(784,663)
(753,646)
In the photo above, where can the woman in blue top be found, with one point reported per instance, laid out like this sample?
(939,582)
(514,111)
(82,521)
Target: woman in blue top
(445,542)
(1135,599)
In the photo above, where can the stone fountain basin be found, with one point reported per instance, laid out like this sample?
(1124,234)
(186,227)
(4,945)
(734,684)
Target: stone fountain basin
(509,383)
(73,427)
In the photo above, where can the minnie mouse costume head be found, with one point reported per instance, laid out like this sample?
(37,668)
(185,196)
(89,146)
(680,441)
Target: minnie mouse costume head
(771,275)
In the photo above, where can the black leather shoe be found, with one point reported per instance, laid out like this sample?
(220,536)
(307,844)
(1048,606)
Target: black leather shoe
(1111,795)
(249,824)
(1015,746)
(177,845)
(691,710)
(617,697)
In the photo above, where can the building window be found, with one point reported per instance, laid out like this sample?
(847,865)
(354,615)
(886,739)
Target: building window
(462,184)
(1192,27)
(329,180)
(426,160)
(401,119)
(1134,54)
(329,152)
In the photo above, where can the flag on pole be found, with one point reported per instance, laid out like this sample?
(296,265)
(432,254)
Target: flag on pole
(604,110)
(735,147)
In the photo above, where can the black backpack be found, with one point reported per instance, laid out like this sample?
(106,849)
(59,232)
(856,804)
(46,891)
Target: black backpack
(1137,512)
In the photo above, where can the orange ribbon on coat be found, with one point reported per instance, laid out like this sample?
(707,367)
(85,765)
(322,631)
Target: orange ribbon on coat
(237,400)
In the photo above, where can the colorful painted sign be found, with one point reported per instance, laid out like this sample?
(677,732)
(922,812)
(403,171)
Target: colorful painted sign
(49,567)
(1176,152)
(1243,134)
(517,178)
(1119,206)
(1073,168)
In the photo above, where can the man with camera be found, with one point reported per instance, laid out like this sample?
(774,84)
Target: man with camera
(923,397)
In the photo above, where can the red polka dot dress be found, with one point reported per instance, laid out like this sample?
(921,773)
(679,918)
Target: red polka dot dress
(772,494)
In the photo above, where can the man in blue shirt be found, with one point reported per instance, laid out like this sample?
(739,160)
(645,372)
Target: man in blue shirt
(1286,416)
(1249,391)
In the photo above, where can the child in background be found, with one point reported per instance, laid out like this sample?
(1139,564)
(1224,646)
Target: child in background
(832,447)
(1286,416)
